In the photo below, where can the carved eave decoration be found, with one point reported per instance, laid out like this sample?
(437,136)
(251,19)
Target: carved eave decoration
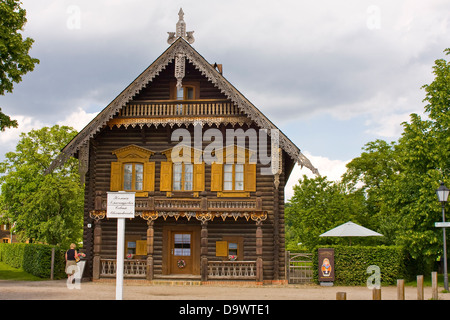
(202,216)
(180,49)
(176,121)
(133,153)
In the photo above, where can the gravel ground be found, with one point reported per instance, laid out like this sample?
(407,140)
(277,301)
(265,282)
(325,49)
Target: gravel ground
(58,290)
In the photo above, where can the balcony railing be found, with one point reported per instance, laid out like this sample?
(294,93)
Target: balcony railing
(174,108)
(196,204)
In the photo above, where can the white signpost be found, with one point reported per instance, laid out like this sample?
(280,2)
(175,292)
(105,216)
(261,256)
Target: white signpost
(121,206)
(442,224)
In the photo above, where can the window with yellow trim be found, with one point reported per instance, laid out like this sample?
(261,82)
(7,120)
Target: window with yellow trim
(230,248)
(234,179)
(186,175)
(133,171)
(183,176)
(133,176)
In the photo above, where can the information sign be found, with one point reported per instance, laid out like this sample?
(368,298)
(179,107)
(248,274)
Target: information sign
(120,205)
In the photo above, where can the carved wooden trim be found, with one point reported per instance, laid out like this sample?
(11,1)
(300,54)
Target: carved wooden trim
(180,46)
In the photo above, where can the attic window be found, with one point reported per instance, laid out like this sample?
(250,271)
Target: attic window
(186,93)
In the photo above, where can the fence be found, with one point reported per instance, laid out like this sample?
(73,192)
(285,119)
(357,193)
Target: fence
(133,268)
(299,267)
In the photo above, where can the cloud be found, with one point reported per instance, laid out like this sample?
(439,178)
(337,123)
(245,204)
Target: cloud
(348,60)
(78,119)
(10,137)
(332,169)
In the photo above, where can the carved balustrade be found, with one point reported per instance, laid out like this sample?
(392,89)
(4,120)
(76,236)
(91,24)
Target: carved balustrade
(203,209)
(231,270)
(133,268)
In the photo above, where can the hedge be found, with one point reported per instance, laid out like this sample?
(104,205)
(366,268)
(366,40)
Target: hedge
(33,258)
(351,263)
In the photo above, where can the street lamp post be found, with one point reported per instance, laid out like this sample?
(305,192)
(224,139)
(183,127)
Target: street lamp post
(442,194)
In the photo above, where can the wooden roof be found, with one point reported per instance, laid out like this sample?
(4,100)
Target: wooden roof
(180,46)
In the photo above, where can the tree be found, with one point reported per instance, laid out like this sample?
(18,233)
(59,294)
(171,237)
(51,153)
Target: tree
(317,206)
(390,187)
(14,58)
(400,179)
(46,208)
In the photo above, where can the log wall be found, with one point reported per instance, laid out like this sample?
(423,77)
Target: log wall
(158,139)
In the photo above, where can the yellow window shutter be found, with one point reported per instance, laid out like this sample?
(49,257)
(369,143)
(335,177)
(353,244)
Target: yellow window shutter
(116,176)
(141,247)
(149,176)
(165,183)
(216,176)
(221,248)
(199,177)
(250,177)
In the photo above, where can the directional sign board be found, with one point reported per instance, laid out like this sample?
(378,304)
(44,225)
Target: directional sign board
(120,205)
(442,224)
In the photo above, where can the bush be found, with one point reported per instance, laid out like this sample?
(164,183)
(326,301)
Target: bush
(33,258)
(351,263)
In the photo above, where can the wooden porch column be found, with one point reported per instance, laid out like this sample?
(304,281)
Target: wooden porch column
(259,245)
(150,238)
(97,248)
(204,251)
(97,215)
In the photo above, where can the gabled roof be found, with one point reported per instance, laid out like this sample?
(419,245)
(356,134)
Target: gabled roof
(180,46)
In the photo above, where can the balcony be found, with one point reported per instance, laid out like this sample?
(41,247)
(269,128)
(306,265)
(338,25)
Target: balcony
(177,108)
(200,208)
(177,112)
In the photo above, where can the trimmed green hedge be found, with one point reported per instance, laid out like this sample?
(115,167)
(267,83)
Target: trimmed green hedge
(351,263)
(33,258)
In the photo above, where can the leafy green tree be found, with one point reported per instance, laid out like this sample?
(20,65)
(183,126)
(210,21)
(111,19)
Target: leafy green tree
(14,58)
(317,206)
(400,179)
(423,153)
(46,208)
(390,187)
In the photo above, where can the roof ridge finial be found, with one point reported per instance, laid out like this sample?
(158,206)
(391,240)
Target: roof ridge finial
(181,31)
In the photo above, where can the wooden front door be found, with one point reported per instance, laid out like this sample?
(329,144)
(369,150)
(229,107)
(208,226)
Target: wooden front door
(181,252)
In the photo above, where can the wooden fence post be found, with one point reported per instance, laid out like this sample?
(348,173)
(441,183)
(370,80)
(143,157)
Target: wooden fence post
(376,294)
(420,287)
(434,285)
(341,296)
(400,289)
(52,266)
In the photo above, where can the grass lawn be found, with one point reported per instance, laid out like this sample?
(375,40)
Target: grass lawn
(10,273)
(427,281)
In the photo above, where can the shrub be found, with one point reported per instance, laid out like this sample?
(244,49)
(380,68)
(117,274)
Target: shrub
(33,258)
(351,263)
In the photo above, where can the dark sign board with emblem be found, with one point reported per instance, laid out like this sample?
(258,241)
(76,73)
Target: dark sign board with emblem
(326,264)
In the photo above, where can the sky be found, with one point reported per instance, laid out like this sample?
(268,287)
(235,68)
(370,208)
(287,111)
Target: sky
(332,75)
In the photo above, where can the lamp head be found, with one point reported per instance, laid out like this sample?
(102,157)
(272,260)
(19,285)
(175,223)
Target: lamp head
(442,193)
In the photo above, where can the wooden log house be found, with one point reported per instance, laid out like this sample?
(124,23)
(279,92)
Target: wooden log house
(194,220)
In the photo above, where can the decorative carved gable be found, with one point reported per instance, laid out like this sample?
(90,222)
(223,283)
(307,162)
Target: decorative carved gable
(179,49)
(133,153)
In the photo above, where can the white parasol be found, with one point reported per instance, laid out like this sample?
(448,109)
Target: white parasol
(350,229)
